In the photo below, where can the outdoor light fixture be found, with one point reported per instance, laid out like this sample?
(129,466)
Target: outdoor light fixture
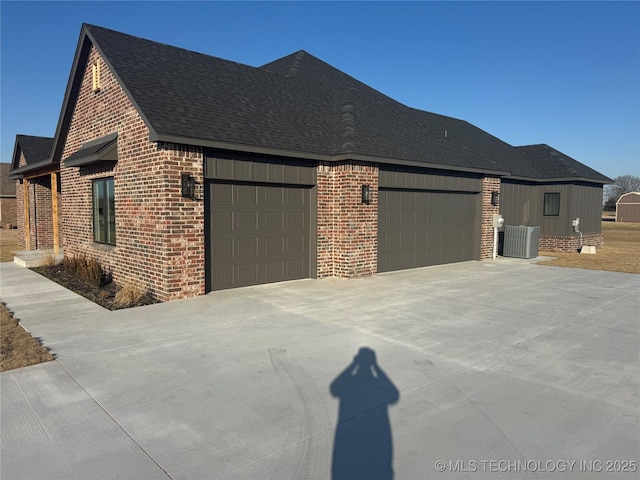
(188,186)
(495,198)
(366,194)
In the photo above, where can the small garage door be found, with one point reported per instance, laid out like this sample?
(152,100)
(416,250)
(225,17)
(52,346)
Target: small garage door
(257,234)
(421,228)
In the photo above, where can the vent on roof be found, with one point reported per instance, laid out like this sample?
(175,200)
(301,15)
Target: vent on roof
(95,70)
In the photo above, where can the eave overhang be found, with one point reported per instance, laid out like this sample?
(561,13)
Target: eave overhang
(168,138)
(34,170)
(603,181)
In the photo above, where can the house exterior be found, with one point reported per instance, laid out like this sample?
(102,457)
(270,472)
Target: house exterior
(8,214)
(187,173)
(628,207)
(37,193)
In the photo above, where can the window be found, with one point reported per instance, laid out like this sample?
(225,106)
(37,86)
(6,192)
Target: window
(552,204)
(104,214)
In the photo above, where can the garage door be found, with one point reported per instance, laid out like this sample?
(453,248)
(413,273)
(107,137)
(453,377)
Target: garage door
(257,234)
(421,228)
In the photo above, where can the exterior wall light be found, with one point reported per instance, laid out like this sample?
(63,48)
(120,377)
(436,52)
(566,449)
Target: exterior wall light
(188,186)
(495,198)
(366,194)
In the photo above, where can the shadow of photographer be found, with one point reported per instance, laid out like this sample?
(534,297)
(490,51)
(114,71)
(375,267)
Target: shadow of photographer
(363,445)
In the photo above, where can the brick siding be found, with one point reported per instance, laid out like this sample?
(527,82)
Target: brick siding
(489,184)
(40,213)
(550,243)
(159,234)
(20,212)
(347,228)
(8,212)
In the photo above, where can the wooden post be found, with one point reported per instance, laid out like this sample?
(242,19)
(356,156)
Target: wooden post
(54,207)
(27,230)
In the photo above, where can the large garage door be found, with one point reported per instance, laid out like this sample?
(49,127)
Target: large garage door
(257,234)
(421,228)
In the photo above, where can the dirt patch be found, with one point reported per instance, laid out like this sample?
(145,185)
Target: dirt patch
(104,295)
(8,244)
(18,347)
(621,251)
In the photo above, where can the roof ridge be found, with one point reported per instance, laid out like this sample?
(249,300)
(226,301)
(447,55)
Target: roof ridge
(348,119)
(297,63)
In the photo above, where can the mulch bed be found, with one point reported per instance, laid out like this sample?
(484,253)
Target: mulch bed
(103,295)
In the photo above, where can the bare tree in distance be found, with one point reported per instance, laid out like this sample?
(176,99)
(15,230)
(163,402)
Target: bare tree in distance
(621,185)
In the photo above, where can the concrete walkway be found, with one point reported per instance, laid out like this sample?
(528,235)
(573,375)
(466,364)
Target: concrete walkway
(500,369)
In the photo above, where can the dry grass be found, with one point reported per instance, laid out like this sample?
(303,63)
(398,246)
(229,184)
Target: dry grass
(8,244)
(85,268)
(129,294)
(621,251)
(18,347)
(48,260)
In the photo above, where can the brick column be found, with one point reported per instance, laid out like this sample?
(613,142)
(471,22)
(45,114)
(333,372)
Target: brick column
(347,228)
(489,184)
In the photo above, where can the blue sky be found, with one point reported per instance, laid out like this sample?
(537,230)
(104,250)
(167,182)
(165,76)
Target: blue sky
(562,73)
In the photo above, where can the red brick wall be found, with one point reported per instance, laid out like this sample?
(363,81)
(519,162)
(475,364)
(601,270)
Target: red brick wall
(8,212)
(20,207)
(489,184)
(159,234)
(347,228)
(40,213)
(569,244)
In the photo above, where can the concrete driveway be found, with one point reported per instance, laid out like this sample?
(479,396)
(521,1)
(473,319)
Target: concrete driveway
(500,369)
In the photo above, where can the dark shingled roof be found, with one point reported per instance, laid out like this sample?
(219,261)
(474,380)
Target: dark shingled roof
(296,106)
(553,164)
(35,149)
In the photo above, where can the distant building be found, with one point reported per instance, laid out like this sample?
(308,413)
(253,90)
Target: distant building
(628,207)
(8,215)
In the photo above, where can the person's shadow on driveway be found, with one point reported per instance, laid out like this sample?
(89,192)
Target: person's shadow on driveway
(363,446)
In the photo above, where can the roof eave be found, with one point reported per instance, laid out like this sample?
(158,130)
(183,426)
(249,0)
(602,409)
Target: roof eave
(169,138)
(33,169)
(603,181)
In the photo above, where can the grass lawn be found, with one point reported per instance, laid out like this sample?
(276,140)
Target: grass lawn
(621,251)
(17,347)
(8,244)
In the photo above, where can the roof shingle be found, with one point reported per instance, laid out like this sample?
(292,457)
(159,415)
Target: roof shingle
(297,106)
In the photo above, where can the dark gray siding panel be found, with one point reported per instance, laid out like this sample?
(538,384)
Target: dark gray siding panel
(398,177)
(254,168)
(421,228)
(522,204)
(586,204)
(256,234)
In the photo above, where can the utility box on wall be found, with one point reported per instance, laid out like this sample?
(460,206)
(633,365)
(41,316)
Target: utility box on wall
(521,241)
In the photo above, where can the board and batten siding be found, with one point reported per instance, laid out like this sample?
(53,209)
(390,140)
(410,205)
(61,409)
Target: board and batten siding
(242,167)
(420,179)
(522,203)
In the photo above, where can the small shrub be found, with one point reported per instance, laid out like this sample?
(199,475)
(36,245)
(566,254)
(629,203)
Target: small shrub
(47,260)
(92,272)
(128,295)
(86,269)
